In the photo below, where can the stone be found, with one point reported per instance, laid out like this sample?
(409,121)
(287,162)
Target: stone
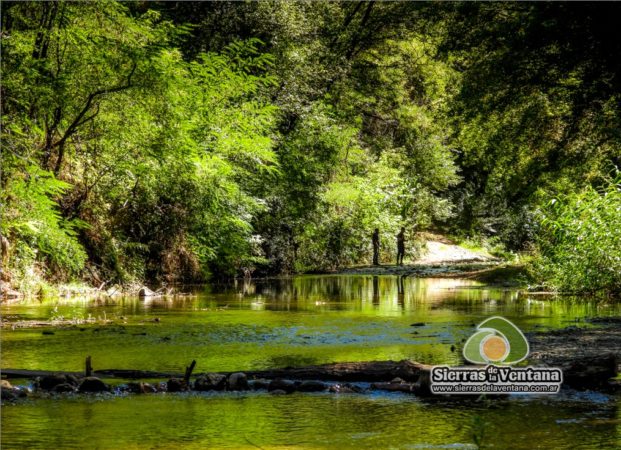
(64,387)
(10,392)
(145,292)
(48,382)
(210,382)
(141,388)
(278,392)
(93,384)
(281,385)
(259,384)
(148,388)
(237,382)
(345,388)
(312,386)
(7,394)
(176,385)
(72,379)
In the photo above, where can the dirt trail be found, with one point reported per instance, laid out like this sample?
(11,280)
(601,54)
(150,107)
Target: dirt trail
(446,253)
(440,258)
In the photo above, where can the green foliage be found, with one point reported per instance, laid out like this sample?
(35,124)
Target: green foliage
(579,242)
(31,219)
(159,156)
(147,142)
(537,105)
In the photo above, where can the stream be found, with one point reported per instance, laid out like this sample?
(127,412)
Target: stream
(293,321)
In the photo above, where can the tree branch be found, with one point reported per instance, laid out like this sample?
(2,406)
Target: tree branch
(80,120)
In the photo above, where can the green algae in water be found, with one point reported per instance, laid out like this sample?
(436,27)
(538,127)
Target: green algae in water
(295,321)
(275,323)
(305,421)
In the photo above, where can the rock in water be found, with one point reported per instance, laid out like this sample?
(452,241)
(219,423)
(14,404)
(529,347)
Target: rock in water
(261,383)
(8,392)
(147,388)
(210,382)
(145,292)
(176,385)
(64,387)
(73,380)
(312,386)
(238,382)
(49,382)
(141,388)
(278,384)
(345,388)
(93,384)
(278,392)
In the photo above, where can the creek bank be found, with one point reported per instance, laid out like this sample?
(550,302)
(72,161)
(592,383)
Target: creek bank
(9,295)
(490,272)
(581,345)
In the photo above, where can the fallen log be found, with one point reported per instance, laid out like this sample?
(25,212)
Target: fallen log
(586,372)
(349,371)
(127,374)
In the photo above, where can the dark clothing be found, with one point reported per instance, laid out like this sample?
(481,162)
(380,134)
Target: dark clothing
(376,247)
(400,247)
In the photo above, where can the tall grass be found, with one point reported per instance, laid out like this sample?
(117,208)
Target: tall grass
(579,241)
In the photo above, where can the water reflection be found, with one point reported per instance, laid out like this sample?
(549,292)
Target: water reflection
(308,421)
(288,321)
(376,297)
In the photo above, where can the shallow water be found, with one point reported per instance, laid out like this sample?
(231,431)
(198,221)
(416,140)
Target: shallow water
(300,320)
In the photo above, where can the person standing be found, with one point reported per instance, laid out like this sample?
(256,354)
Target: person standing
(376,247)
(400,246)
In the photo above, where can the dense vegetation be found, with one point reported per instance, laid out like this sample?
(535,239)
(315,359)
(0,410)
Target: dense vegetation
(175,141)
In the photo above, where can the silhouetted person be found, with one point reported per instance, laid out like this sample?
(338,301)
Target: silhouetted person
(400,246)
(376,247)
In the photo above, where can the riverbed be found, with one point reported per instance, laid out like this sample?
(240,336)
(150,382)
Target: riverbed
(290,322)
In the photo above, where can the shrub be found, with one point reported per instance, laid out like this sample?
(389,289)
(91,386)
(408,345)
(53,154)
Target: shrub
(579,241)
